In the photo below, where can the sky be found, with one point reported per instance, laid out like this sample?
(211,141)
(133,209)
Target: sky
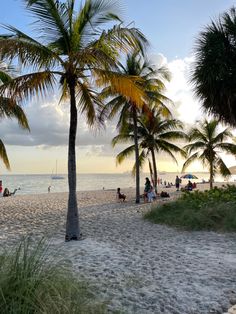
(171,27)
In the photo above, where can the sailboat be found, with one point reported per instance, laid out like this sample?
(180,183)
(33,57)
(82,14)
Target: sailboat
(56,176)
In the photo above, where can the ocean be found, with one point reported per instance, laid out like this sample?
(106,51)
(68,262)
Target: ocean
(38,183)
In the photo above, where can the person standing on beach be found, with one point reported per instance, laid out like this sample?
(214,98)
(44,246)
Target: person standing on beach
(177,183)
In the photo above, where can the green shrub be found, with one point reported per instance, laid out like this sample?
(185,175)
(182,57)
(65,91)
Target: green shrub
(208,210)
(31,282)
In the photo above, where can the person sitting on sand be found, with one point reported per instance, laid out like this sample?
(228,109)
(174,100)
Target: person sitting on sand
(189,186)
(120,196)
(6,192)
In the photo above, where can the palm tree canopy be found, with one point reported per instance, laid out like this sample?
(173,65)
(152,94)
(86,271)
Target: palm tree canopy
(148,79)
(71,46)
(214,74)
(155,134)
(206,145)
(9,109)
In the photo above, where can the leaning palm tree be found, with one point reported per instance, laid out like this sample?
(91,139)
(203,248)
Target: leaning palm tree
(151,81)
(214,74)
(206,145)
(71,47)
(9,109)
(155,135)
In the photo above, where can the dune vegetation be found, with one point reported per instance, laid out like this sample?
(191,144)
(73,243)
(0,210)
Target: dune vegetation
(209,210)
(32,282)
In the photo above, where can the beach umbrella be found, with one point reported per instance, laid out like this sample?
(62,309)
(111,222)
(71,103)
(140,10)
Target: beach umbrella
(189,176)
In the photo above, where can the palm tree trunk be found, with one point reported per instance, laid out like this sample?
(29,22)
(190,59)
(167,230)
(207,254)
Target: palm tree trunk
(211,176)
(72,222)
(137,173)
(154,169)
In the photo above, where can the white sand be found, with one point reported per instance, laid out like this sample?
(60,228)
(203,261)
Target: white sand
(136,266)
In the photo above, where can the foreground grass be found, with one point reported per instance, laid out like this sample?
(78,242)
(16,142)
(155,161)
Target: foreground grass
(209,210)
(30,282)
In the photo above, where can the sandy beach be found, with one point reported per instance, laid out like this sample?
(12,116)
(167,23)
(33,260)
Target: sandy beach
(135,266)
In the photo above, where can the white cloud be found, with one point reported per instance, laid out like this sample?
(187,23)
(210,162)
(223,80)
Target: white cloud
(186,107)
(49,121)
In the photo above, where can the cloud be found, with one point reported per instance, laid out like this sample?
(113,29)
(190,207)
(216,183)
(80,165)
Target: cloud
(49,121)
(49,124)
(186,107)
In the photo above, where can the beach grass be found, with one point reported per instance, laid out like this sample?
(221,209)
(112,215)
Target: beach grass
(32,282)
(209,210)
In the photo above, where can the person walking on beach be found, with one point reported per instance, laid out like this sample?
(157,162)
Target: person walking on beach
(147,189)
(177,183)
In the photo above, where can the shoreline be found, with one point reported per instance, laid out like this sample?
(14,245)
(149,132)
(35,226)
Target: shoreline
(134,265)
(201,186)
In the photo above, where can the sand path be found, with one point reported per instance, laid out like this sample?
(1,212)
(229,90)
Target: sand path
(136,266)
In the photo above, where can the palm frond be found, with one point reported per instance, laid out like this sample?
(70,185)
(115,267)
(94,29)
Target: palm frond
(3,155)
(91,16)
(88,102)
(29,51)
(125,39)
(53,20)
(194,146)
(168,147)
(173,135)
(127,152)
(229,148)
(29,85)
(220,137)
(121,138)
(111,108)
(223,169)
(127,86)
(189,161)
(10,109)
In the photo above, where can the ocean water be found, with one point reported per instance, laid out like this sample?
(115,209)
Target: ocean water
(37,184)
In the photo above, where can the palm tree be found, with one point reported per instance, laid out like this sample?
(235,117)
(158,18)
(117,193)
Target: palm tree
(206,145)
(72,47)
(150,80)
(214,74)
(155,136)
(9,109)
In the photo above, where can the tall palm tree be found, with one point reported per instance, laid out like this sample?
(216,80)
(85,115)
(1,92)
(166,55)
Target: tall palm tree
(155,135)
(70,48)
(207,144)
(9,109)
(214,74)
(151,81)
